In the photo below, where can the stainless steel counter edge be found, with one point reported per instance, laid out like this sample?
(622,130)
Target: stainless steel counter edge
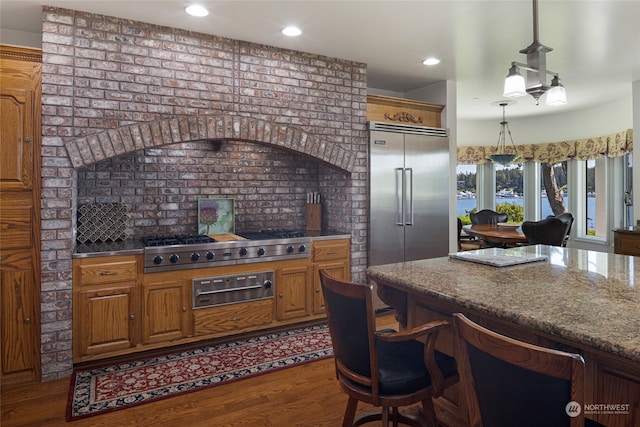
(126,247)
(134,247)
(329,235)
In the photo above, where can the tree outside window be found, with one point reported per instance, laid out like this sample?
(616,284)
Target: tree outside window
(553,191)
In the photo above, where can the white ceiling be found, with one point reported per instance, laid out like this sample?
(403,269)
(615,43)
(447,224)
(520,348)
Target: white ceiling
(596,42)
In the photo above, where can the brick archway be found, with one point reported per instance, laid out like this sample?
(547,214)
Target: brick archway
(91,149)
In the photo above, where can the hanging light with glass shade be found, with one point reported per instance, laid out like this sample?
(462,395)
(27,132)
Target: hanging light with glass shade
(535,84)
(501,156)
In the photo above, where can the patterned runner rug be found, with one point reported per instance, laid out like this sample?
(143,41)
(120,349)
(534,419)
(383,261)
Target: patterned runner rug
(95,391)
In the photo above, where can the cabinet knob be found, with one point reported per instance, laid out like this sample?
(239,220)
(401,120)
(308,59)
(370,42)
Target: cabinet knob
(318,291)
(281,295)
(132,317)
(27,320)
(184,309)
(27,139)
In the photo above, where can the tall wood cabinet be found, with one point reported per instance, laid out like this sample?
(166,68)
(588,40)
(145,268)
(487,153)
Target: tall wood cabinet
(20,93)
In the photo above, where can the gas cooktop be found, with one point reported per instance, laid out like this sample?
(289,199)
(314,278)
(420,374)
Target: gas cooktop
(166,253)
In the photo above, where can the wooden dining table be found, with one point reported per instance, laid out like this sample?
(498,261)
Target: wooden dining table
(508,235)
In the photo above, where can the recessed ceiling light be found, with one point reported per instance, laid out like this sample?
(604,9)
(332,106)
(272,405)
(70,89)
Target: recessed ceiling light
(291,31)
(431,61)
(196,10)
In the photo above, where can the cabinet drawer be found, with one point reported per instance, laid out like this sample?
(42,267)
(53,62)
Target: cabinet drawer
(331,250)
(116,269)
(233,317)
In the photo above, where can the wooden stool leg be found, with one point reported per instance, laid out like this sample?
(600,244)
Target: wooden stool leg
(430,412)
(350,412)
(385,416)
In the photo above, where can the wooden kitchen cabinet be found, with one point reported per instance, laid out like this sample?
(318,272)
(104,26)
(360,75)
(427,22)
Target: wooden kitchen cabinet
(293,292)
(298,289)
(106,307)
(626,242)
(118,309)
(115,313)
(105,320)
(165,311)
(334,257)
(18,316)
(20,135)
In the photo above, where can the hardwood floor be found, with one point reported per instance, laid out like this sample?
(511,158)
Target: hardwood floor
(304,396)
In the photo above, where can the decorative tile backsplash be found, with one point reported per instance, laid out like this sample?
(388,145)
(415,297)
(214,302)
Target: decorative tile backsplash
(102,222)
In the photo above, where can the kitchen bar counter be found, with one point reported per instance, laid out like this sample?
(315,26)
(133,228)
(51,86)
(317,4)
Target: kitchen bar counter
(586,297)
(577,300)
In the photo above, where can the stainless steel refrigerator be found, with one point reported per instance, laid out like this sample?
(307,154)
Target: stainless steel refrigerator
(409,193)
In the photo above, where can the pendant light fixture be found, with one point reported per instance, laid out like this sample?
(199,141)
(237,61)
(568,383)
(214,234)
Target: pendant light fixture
(501,156)
(535,84)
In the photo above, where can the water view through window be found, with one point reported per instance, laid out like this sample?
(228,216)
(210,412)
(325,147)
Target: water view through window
(509,190)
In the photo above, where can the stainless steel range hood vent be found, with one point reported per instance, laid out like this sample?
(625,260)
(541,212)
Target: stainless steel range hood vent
(401,128)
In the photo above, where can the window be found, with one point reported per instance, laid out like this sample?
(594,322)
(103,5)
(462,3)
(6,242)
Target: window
(595,201)
(627,184)
(466,190)
(509,194)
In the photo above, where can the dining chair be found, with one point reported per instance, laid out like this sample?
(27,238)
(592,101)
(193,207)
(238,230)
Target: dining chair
(383,368)
(466,241)
(508,383)
(549,231)
(487,216)
(567,218)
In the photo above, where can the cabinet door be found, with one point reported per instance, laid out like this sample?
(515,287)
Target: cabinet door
(18,319)
(109,319)
(293,290)
(20,82)
(165,311)
(16,139)
(337,269)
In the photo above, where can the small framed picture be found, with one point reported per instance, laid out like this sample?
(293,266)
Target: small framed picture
(216,216)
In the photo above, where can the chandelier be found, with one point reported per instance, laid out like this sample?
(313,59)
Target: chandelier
(536,67)
(501,156)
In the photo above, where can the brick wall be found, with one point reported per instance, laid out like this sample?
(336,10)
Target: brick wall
(103,75)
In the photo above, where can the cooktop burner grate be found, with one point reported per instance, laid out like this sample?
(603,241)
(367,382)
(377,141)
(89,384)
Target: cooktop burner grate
(183,239)
(282,233)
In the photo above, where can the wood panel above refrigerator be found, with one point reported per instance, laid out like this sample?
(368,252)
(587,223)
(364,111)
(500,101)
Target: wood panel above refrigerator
(403,111)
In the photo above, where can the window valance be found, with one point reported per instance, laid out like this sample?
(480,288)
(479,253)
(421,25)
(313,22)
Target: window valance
(615,145)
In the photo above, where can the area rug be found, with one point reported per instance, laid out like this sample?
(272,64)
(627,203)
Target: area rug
(100,390)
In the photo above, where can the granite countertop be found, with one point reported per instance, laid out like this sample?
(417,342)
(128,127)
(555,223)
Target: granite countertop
(586,297)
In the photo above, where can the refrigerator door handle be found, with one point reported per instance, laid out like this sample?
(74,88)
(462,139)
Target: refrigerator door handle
(399,196)
(408,193)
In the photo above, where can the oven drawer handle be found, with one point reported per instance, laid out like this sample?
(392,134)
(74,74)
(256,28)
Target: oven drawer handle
(243,288)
